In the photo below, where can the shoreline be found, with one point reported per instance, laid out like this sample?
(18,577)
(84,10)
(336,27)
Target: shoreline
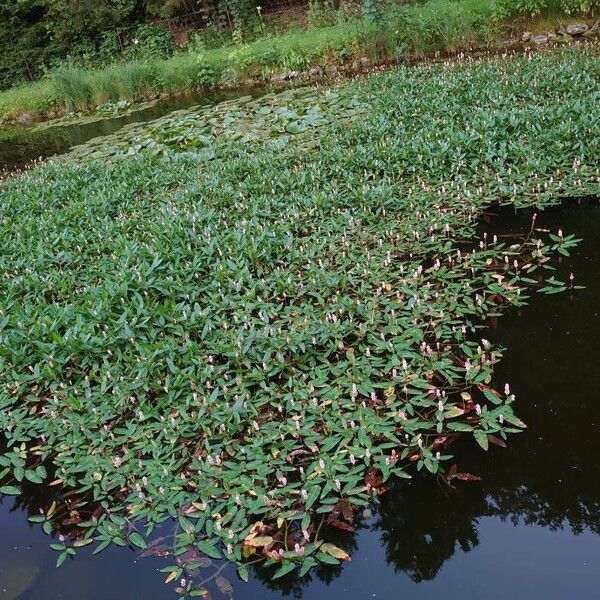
(16,117)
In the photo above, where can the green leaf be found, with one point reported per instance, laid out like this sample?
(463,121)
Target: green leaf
(284,569)
(208,549)
(137,540)
(102,546)
(312,497)
(482,439)
(243,572)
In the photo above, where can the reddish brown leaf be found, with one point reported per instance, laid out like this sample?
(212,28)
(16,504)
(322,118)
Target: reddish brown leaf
(74,519)
(496,440)
(159,550)
(188,510)
(341,525)
(465,477)
(346,509)
(294,453)
(372,478)
(342,508)
(156,548)
(224,585)
(191,555)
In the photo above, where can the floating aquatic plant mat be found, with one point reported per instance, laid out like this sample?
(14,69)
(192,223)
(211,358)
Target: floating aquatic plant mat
(252,335)
(276,118)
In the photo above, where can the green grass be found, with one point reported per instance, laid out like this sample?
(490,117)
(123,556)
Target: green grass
(440,26)
(74,86)
(193,331)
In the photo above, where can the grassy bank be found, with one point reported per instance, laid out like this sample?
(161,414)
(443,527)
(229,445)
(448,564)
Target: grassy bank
(192,334)
(413,30)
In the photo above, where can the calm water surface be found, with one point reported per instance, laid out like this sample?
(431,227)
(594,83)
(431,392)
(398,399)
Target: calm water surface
(529,530)
(20,146)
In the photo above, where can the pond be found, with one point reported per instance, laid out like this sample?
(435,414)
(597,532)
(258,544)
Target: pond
(529,529)
(20,146)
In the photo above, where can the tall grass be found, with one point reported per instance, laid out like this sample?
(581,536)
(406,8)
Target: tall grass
(135,78)
(72,87)
(130,80)
(107,85)
(181,73)
(31,99)
(442,26)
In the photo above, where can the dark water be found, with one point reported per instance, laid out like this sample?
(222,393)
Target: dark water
(529,530)
(21,146)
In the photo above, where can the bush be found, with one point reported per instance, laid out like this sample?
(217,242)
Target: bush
(151,42)
(581,6)
(506,9)
(212,36)
(320,13)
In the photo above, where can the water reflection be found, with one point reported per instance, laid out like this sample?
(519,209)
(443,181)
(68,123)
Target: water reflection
(20,146)
(530,528)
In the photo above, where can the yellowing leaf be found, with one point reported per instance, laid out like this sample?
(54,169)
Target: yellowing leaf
(335,552)
(259,542)
(171,577)
(453,411)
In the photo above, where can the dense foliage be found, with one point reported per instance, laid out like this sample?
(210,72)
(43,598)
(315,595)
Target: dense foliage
(532,8)
(243,333)
(37,34)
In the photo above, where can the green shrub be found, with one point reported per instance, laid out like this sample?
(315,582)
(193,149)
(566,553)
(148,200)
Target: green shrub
(210,37)
(151,41)
(374,41)
(320,13)
(506,9)
(579,6)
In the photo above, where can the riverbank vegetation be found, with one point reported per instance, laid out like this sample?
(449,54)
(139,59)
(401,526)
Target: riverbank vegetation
(146,62)
(191,334)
